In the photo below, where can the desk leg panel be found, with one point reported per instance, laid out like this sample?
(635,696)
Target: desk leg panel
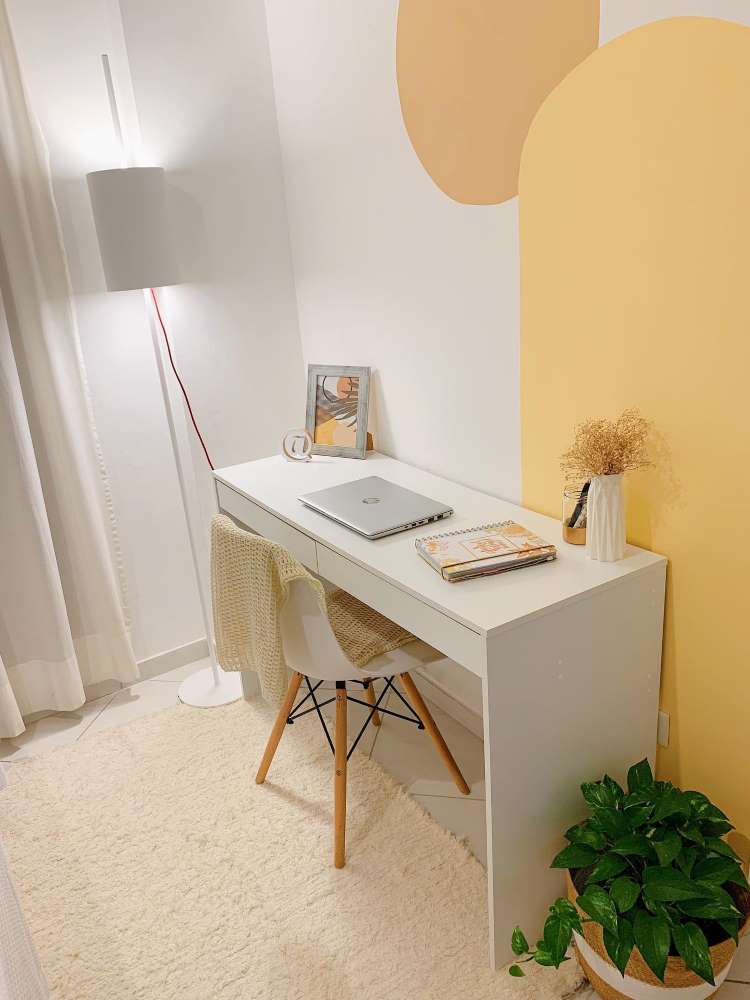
(567,696)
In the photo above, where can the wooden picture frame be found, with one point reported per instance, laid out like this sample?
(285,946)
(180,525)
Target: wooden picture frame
(337,409)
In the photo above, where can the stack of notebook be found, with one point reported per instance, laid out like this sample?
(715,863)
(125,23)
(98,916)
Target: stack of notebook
(483,551)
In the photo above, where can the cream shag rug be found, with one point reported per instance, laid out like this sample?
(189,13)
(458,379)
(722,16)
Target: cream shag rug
(151,867)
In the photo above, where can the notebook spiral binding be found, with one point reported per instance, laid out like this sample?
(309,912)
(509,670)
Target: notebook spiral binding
(462,531)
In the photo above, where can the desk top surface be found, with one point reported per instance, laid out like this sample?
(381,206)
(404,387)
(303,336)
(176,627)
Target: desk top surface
(485,605)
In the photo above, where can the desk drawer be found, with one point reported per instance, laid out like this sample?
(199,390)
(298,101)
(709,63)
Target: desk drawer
(263,523)
(449,636)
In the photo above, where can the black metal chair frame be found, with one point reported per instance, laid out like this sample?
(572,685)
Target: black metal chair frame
(318,705)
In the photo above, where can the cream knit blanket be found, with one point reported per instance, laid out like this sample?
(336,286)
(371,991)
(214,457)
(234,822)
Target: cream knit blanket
(250,578)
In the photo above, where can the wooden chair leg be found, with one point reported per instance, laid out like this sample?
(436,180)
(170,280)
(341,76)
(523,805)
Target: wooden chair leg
(340,744)
(370,695)
(437,738)
(278,727)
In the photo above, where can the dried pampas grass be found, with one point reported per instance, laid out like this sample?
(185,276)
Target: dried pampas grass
(608,447)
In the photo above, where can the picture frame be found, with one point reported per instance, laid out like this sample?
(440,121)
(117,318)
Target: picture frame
(337,409)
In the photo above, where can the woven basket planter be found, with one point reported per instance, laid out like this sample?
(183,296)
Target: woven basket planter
(639,983)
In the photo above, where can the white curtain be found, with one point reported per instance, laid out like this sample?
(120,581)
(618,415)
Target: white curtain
(62,624)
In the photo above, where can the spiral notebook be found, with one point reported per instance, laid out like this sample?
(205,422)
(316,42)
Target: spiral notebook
(484,551)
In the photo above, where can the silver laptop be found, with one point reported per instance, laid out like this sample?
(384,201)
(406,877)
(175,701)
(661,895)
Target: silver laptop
(374,507)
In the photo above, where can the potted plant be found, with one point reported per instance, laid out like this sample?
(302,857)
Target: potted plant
(656,895)
(601,453)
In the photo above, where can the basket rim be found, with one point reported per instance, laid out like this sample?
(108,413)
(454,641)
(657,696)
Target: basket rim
(676,967)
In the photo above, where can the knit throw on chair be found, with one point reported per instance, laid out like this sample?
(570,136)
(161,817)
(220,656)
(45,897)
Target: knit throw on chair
(250,579)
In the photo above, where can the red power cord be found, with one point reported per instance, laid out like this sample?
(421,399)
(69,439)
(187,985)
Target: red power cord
(179,380)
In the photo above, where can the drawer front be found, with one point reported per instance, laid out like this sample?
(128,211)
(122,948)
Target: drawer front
(449,636)
(263,523)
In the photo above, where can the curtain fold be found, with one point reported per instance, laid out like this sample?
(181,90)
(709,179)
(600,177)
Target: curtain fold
(62,619)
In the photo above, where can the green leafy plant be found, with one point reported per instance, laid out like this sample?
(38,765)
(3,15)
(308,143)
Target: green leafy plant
(649,865)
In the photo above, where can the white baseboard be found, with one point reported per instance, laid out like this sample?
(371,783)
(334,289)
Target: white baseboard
(170,659)
(457,709)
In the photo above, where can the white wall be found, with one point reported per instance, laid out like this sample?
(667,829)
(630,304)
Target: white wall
(202,84)
(202,80)
(388,270)
(619,16)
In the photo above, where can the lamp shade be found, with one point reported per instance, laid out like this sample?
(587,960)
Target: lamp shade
(132,226)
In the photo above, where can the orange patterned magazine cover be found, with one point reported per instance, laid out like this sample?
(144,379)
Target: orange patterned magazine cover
(492,548)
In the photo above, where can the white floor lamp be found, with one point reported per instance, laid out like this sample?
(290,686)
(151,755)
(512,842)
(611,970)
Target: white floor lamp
(129,206)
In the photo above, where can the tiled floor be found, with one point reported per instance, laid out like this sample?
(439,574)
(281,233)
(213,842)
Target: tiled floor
(50,731)
(402,749)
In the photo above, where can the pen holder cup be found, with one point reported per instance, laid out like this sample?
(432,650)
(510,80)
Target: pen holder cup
(574,514)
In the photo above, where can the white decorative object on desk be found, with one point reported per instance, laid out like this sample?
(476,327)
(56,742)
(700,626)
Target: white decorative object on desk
(297,446)
(605,529)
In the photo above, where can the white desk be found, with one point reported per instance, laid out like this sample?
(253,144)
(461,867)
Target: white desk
(569,653)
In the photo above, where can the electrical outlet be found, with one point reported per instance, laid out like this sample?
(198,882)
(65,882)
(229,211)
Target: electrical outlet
(662,730)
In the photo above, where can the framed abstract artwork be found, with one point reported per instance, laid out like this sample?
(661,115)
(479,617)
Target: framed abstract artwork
(337,403)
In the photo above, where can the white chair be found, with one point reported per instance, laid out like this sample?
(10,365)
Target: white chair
(312,652)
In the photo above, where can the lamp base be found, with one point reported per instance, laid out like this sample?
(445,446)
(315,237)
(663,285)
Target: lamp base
(201,690)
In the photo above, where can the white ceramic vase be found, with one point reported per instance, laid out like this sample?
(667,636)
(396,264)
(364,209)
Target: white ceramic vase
(605,523)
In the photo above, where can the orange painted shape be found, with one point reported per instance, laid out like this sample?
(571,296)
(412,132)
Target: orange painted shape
(472,75)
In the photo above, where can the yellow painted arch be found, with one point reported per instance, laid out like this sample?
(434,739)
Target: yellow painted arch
(635,265)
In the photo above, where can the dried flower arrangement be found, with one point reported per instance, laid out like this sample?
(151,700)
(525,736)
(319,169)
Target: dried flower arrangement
(607,447)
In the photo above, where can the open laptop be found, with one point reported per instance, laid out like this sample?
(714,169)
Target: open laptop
(374,507)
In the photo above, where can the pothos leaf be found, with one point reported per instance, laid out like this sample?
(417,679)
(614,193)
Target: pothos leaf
(731,928)
(692,945)
(637,816)
(542,955)
(709,909)
(585,834)
(611,821)
(719,846)
(624,891)
(517,971)
(667,847)
(574,856)
(634,843)
(715,828)
(606,868)
(640,797)
(614,787)
(686,860)
(640,776)
(691,831)
(652,937)
(597,794)
(717,871)
(564,909)
(620,945)
(667,885)
(597,903)
(557,935)
(672,803)
(518,942)
(702,807)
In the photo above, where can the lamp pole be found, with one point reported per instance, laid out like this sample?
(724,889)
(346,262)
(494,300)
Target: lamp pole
(209,687)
